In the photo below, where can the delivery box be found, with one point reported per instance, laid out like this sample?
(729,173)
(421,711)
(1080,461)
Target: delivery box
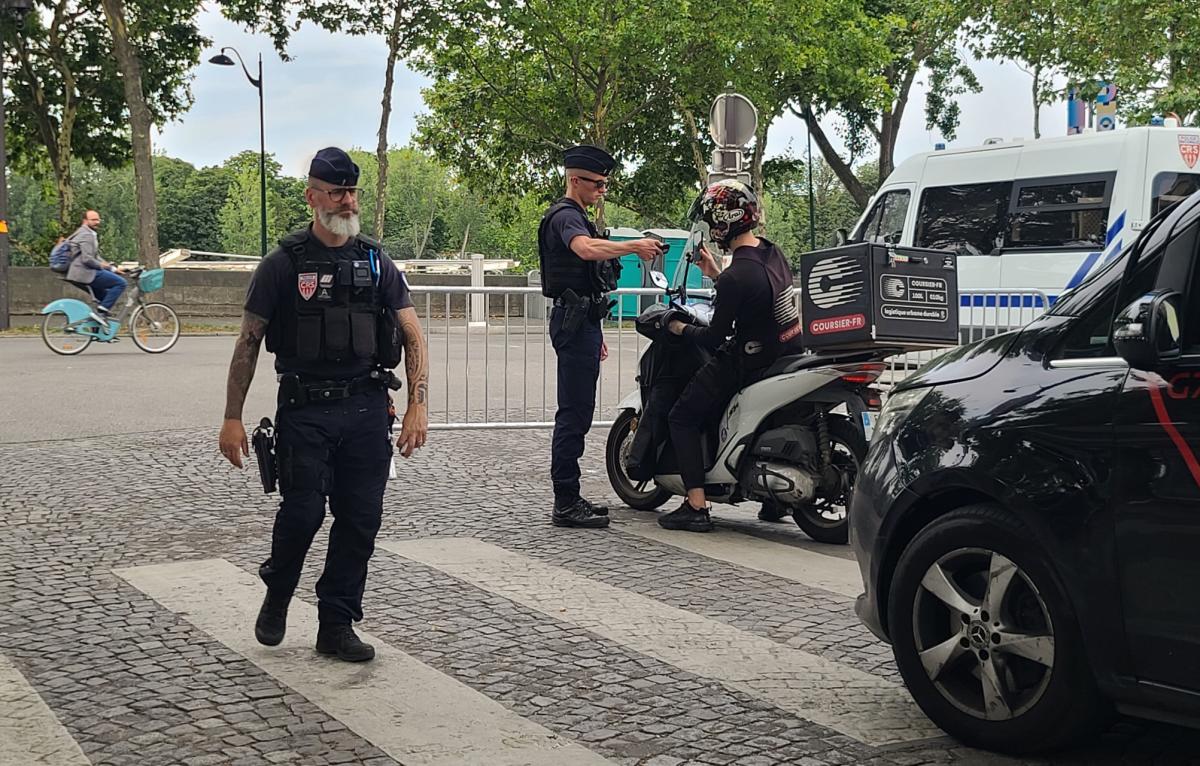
(871,295)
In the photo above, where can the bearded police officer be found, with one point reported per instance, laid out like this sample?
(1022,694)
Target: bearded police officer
(578,270)
(336,312)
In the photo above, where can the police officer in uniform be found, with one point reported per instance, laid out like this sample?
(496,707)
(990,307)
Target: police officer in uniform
(579,268)
(336,313)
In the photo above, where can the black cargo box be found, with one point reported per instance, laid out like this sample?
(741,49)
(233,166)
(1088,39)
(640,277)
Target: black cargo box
(866,295)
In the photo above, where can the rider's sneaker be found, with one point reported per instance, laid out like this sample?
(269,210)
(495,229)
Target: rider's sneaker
(100,317)
(687,518)
(773,512)
(578,514)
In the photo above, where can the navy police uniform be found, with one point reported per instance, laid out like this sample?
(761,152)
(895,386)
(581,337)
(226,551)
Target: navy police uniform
(579,289)
(332,328)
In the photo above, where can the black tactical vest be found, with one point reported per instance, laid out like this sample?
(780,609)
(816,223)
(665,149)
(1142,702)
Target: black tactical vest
(562,269)
(335,312)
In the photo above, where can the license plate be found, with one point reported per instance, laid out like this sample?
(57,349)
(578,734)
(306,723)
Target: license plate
(868,421)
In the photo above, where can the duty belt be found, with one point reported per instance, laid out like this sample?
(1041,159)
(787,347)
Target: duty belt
(298,392)
(563,303)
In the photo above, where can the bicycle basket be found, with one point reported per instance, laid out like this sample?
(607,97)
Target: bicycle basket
(151,280)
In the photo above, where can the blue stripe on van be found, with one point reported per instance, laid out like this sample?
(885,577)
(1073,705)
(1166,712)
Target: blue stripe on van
(1111,251)
(1083,269)
(1003,301)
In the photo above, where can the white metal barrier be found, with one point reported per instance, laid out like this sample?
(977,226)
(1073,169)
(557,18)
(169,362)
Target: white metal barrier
(493,367)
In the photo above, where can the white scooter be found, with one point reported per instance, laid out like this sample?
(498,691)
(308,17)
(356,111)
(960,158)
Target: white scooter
(794,440)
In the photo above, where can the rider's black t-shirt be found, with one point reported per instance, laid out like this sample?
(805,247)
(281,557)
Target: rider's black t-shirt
(275,283)
(749,308)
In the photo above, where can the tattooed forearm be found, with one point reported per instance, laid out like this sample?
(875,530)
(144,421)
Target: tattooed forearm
(245,359)
(416,358)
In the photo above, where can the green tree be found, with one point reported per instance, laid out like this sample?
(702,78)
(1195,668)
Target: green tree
(238,219)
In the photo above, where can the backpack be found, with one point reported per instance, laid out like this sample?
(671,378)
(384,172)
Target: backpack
(62,255)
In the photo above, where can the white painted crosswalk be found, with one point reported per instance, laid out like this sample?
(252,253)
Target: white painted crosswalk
(860,705)
(819,570)
(30,734)
(412,712)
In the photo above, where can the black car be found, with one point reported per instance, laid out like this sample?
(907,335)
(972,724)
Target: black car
(1027,520)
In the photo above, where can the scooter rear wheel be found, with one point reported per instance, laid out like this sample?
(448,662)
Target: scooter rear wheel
(59,338)
(643,496)
(827,520)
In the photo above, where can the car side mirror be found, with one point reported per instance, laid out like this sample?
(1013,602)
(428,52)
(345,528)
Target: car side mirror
(841,237)
(1147,334)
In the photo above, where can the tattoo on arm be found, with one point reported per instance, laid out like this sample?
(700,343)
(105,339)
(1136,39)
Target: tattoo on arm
(416,358)
(241,368)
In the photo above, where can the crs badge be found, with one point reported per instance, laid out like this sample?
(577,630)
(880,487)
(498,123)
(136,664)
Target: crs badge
(308,285)
(1189,148)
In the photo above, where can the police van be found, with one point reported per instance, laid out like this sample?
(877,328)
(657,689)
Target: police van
(1034,215)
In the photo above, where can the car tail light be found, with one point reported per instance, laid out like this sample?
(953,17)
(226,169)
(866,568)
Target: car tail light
(862,374)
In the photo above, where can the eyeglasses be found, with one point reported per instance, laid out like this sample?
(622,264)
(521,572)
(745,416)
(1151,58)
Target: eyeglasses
(339,194)
(599,183)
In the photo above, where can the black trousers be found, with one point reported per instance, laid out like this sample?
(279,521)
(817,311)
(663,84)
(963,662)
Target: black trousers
(702,402)
(578,370)
(340,451)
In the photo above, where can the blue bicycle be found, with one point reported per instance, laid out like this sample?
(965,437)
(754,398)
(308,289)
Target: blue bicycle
(69,325)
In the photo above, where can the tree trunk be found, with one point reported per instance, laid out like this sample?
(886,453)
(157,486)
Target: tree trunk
(381,149)
(689,120)
(139,123)
(756,163)
(840,167)
(889,128)
(55,136)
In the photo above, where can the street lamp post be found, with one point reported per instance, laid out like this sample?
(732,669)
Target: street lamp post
(221,59)
(16,10)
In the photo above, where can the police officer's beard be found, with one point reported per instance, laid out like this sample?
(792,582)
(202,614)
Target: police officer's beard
(338,224)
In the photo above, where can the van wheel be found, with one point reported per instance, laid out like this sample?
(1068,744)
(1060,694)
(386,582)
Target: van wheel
(985,638)
(641,495)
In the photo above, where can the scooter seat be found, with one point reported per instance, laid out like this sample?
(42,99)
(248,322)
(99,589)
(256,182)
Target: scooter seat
(794,362)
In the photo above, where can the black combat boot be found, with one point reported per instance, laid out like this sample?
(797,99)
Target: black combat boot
(272,619)
(579,513)
(341,640)
(687,518)
(598,510)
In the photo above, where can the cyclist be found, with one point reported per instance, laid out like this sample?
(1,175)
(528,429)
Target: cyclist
(89,270)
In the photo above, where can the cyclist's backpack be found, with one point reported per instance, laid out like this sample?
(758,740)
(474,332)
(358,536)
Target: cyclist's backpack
(62,255)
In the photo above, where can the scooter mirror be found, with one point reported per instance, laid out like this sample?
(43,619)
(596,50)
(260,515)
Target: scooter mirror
(659,279)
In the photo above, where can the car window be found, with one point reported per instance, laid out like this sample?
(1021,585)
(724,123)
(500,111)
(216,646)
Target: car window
(967,218)
(1169,188)
(885,224)
(1090,337)
(1060,213)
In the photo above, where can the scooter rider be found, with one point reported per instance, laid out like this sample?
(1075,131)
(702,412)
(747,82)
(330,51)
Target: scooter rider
(754,322)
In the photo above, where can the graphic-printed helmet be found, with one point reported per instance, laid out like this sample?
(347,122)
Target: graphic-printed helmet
(729,208)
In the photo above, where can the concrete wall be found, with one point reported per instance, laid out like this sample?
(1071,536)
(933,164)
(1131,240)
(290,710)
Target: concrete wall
(202,295)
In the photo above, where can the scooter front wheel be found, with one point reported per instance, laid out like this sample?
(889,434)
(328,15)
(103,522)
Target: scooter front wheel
(644,495)
(60,338)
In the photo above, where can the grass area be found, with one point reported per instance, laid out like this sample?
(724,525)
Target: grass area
(188,329)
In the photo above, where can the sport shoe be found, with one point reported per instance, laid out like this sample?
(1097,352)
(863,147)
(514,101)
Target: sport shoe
(341,640)
(771,511)
(579,514)
(100,317)
(272,619)
(687,518)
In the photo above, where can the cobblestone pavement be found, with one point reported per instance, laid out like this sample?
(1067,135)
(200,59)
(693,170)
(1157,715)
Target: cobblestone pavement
(126,636)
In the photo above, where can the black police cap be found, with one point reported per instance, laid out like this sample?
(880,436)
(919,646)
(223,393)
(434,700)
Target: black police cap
(334,166)
(587,157)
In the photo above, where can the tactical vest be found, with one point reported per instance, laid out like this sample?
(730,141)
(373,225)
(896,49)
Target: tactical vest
(335,312)
(562,269)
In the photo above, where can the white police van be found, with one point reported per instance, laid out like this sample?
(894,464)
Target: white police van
(1034,215)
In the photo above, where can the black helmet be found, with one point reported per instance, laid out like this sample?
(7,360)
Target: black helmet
(729,207)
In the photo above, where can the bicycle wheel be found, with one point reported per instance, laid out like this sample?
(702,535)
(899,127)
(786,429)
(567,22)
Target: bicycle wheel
(60,338)
(154,327)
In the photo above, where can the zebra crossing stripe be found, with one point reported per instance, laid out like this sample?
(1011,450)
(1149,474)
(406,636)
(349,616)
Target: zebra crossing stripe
(30,734)
(857,704)
(831,573)
(412,712)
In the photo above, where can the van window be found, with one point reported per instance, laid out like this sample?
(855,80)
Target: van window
(885,224)
(1169,188)
(1060,213)
(967,218)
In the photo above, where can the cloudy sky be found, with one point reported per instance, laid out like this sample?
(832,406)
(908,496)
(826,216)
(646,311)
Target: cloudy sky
(329,94)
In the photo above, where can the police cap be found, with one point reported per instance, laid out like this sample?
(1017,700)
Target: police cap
(591,158)
(334,166)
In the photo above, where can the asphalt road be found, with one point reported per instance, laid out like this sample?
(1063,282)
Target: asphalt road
(117,389)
